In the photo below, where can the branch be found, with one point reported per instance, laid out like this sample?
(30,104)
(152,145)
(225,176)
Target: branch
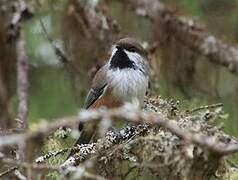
(59,53)
(49,155)
(14,170)
(95,21)
(29,165)
(22,82)
(79,171)
(173,136)
(189,33)
(207,107)
(105,145)
(44,130)
(129,113)
(88,27)
(10,170)
(19,175)
(21,12)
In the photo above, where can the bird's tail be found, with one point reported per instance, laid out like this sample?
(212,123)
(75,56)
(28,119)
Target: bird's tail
(87,132)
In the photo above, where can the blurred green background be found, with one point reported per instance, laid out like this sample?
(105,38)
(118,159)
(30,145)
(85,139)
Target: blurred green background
(53,93)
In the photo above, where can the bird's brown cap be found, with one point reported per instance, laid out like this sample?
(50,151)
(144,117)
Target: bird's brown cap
(132,45)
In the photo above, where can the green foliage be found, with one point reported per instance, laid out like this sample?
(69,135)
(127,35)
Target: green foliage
(52,95)
(53,176)
(192,7)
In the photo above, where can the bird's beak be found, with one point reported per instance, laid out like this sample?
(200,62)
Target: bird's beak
(118,47)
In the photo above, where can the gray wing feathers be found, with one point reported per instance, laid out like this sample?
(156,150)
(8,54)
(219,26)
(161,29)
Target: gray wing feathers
(98,86)
(93,95)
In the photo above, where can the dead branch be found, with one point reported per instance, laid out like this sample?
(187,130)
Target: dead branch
(39,168)
(49,155)
(44,130)
(15,171)
(207,107)
(22,11)
(19,175)
(29,165)
(189,33)
(105,144)
(131,114)
(176,132)
(59,53)
(10,170)
(111,138)
(159,150)
(87,28)
(22,82)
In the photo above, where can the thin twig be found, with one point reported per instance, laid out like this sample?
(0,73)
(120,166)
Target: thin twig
(51,154)
(85,29)
(19,175)
(39,167)
(212,106)
(44,130)
(59,53)
(29,165)
(10,170)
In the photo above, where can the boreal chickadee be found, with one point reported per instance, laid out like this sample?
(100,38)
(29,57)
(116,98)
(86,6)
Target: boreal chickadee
(123,78)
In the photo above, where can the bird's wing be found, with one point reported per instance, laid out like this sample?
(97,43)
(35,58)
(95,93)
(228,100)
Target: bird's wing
(93,95)
(98,87)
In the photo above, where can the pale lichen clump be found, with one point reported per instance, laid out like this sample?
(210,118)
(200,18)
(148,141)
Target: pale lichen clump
(153,151)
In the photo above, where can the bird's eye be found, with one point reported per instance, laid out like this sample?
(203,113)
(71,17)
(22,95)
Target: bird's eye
(132,49)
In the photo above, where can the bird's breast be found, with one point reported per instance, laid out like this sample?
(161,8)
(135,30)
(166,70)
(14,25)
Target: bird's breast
(128,84)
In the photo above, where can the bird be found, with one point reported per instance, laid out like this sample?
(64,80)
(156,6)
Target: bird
(124,78)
